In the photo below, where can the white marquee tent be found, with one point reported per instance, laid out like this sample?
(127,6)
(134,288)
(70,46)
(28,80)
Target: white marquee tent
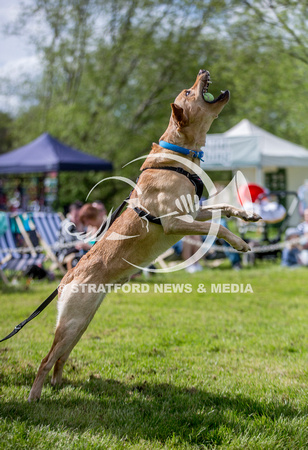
(256,152)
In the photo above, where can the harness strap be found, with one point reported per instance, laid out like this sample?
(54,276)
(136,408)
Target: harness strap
(193,178)
(150,218)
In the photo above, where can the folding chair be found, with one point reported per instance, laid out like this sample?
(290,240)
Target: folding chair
(10,258)
(47,226)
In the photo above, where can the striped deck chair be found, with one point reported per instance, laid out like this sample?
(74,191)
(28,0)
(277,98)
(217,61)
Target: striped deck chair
(47,226)
(11,259)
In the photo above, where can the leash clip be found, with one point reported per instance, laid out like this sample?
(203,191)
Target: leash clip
(197,154)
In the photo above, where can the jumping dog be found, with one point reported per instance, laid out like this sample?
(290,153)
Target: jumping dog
(163,180)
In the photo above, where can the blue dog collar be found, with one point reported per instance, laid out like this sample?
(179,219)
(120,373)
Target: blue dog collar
(183,150)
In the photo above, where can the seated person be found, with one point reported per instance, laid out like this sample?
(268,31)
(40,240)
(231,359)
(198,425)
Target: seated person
(70,227)
(303,230)
(100,206)
(290,253)
(93,215)
(303,227)
(297,253)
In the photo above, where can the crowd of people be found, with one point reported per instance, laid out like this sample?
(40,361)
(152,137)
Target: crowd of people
(84,220)
(295,253)
(88,218)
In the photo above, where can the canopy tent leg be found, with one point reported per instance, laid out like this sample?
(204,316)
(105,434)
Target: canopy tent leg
(259,176)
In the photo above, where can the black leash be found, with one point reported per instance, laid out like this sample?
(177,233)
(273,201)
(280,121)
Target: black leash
(34,314)
(46,302)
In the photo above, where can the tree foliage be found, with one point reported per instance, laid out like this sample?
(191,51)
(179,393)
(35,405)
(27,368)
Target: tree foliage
(284,22)
(5,132)
(111,68)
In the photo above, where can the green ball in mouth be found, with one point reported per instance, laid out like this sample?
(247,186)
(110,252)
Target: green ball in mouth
(208,97)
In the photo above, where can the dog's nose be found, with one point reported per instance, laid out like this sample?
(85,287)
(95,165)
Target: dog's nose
(202,71)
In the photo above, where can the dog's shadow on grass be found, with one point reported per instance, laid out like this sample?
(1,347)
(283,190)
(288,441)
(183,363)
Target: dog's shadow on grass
(153,412)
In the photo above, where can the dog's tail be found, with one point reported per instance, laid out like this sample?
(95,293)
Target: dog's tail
(32,316)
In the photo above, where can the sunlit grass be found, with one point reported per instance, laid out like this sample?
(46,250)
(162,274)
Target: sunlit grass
(163,371)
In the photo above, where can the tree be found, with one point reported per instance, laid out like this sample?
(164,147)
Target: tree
(112,68)
(6,141)
(279,23)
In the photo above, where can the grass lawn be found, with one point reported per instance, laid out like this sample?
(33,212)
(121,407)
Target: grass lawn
(191,370)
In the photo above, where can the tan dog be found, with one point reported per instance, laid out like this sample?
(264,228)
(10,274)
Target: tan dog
(107,261)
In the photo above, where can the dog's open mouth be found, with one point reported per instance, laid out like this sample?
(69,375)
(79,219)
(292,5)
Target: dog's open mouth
(209,98)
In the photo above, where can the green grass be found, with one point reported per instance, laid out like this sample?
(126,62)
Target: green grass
(165,371)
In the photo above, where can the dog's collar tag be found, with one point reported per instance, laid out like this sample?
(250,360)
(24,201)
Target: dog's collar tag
(183,150)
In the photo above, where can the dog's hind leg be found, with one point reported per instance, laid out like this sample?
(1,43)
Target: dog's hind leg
(59,346)
(58,367)
(75,314)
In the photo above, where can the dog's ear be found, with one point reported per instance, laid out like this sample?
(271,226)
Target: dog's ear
(179,115)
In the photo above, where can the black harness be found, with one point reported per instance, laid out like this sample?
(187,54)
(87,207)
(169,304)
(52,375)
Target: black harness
(193,178)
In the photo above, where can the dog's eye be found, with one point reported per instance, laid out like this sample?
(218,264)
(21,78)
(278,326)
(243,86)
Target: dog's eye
(187,93)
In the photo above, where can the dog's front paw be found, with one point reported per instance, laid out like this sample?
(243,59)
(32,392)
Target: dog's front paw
(241,246)
(245,247)
(250,216)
